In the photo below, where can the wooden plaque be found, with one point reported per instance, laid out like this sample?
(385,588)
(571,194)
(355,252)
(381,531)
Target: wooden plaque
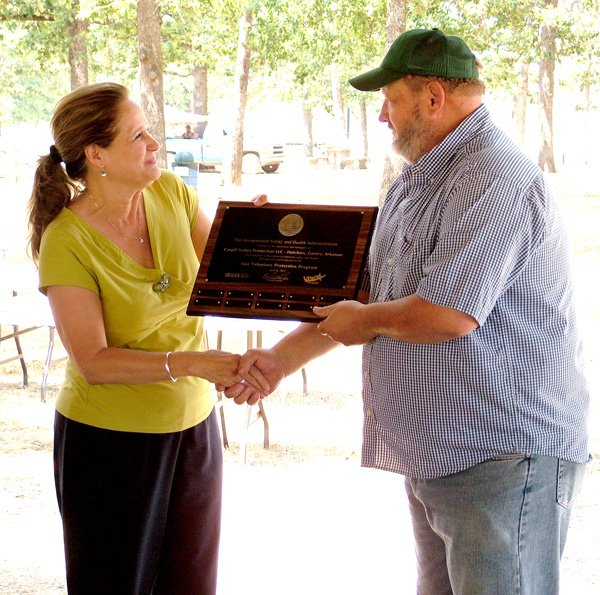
(277,261)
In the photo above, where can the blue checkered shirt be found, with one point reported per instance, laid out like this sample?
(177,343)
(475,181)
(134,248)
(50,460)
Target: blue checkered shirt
(472,226)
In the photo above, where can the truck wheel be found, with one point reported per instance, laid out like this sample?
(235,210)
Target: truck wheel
(271,168)
(251,164)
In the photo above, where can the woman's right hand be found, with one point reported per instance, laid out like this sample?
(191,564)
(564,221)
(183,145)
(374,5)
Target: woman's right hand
(262,370)
(222,369)
(218,367)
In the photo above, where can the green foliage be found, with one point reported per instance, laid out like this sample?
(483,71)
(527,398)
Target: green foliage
(37,97)
(299,44)
(505,34)
(198,32)
(296,44)
(33,76)
(112,40)
(177,94)
(33,91)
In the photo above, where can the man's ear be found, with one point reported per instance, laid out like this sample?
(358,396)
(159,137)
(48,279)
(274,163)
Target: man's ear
(436,97)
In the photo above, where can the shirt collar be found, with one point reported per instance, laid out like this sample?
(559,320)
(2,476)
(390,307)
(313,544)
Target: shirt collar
(432,163)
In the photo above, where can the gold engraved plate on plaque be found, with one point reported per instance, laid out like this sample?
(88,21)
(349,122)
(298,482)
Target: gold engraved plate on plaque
(291,225)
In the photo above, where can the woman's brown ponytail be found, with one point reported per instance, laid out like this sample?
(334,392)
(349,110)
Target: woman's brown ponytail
(87,116)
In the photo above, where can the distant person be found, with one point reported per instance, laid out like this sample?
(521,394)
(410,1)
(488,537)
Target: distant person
(473,373)
(137,451)
(189,133)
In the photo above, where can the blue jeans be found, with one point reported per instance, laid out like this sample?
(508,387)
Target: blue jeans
(498,528)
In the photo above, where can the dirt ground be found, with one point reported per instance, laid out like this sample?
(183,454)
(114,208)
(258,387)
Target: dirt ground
(301,517)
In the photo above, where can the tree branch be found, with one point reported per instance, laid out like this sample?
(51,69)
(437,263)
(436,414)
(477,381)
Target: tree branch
(26,17)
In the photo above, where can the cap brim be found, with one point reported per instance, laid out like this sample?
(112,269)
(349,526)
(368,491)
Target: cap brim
(374,79)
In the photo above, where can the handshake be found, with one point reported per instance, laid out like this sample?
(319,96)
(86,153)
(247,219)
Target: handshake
(258,372)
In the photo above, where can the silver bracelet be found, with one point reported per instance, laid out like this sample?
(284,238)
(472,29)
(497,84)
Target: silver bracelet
(168,368)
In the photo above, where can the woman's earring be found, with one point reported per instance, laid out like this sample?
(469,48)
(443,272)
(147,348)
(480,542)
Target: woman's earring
(103,172)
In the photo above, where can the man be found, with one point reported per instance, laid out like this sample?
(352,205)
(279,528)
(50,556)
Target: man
(473,383)
(189,133)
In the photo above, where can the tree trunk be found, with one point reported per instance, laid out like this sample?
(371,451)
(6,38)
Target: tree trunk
(520,104)
(396,20)
(78,55)
(200,95)
(233,168)
(587,128)
(362,106)
(547,64)
(151,72)
(337,100)
(395,25)
(308,129)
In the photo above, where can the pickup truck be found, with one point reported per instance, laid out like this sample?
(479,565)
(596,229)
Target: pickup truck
(209,151)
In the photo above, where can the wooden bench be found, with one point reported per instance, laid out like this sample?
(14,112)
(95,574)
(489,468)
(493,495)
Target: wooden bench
(355,162)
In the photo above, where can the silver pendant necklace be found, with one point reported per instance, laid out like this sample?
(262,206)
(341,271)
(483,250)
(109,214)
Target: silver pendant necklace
(137,238)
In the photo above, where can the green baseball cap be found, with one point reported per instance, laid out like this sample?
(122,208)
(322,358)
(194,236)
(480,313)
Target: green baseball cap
(423,52)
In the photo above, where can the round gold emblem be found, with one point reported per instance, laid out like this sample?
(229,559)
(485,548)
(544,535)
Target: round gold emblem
(291,224)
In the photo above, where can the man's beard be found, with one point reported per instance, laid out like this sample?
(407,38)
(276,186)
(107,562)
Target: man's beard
(410,142)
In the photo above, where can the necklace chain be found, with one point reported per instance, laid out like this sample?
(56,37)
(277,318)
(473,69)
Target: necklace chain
(137,238)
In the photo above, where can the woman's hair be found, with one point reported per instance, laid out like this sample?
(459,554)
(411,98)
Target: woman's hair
(87,116)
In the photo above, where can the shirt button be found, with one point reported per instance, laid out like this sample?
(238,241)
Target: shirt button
(369,413)
(390,261)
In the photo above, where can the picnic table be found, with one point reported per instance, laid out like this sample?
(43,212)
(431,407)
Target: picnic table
(23,314)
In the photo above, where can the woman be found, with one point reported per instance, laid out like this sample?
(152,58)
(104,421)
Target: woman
(137,449)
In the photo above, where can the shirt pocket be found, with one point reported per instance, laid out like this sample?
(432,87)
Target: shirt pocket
(412,254)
